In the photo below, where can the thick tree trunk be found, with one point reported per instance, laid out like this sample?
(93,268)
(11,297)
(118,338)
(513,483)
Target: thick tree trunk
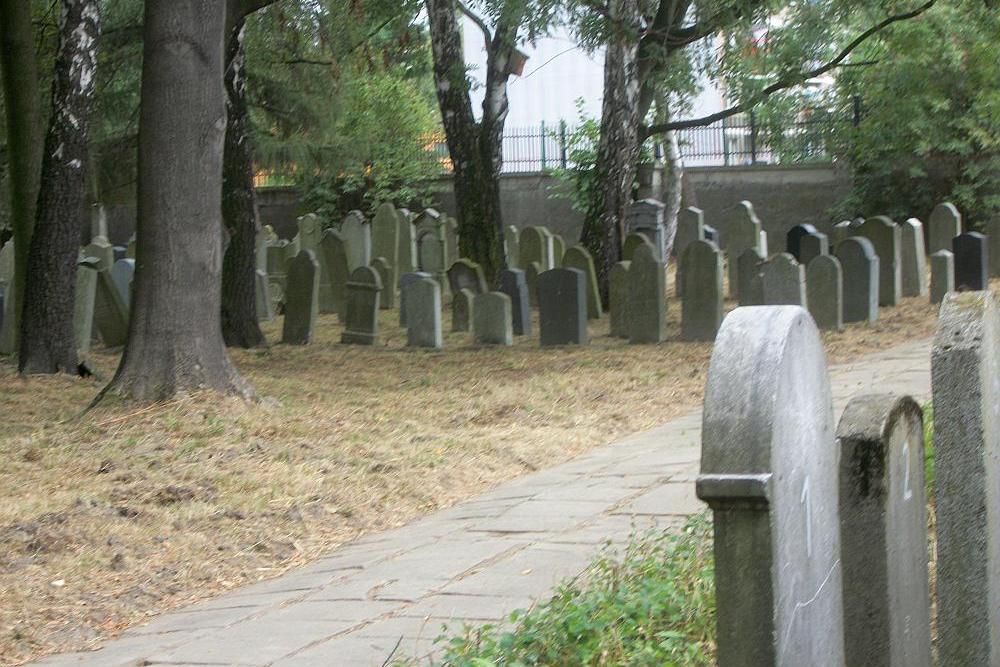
(48,344)
(175,337)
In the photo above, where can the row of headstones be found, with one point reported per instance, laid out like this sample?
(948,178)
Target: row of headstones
(821,536)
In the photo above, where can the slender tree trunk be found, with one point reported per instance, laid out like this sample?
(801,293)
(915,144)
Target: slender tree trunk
(48,344)
(175,337)
(673,177)
(24,137)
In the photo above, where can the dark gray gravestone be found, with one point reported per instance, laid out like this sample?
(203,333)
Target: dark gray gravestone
(972,266)
(577,257)
(385,243)
(110,311)
(812,246)
(536,246)
(432,245)
(333,247)
(512,243)
(633,241)
(769,473)
(558,250)
(825,292)
(841,231)
(690,228)
(531,274)
(744,232)
(405,280)
(121,274)
(466,274)
(784,281)
(562,307)
(886,238)
(942,275)
(618,299)
(462,306)
(944,224)
(751,287)
(83,304)
(793,240)
(387,299)
(491,322)
(423,304)
(301,299)
(646,217)
(883,533)
(914,260)
(363,291)
(357,233)
(964,371)
(860,269)
(407,255)
(514,284)
(701,308)
(647,297)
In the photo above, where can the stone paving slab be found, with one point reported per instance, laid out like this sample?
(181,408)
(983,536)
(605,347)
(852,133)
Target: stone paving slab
(475,562)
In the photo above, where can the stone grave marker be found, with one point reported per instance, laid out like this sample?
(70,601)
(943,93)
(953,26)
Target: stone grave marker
(511,239)
(84,303)
(784,281)
(292,248)
(422,296)
(363,291)
(883,533)
(944,224)
(310,229)
(466,274)
(744,232)
(387,299)
(825,292)
(432,252)
(119,252)
(972,266)
(121,275)
(751,286)
(98,220)
(859,265)
(491,319)
(618,299)
(531,278)
(110,310)
(536,246)
(100,249)
(646,217)
(701,308)
(301,299)
(914,261)
(812,246)
(385,243)
(769,474)
(577,257)
(841,231)
(558,250)
(647,297)
(690,228)
(130,248)
(357,234)
(405,280)
(886,238)
(277,267)
(407,254)
(793,240)
(633,241)
(262,296)
(942,275)
(562,307)
(514,284)
(462,305)
(264,238)
(335,257)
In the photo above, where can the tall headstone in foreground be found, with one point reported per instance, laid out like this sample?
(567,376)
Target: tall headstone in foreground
(577,257)
(965,365)
(886,238)
(701,308)
(647,297)
(972,266)
(536,246)
(825,292)
(422,297)
(646,217)
(944,224)
(690,228)
(784,281)
(514,284)
(744,232)
(883,533)
(387,299)
(385,243)
(812,246)
(357,233)
(301,299)
(462,306)
(750,286)
(407,253)
(511,237)
(793,240)
(914,260)
(769,474)
(363,291)
(334,250)
(466,274)
(942,275)
(405,280)
(618,299)
(83,304)
(431,245)
(491,319)
(562,307)
(860,269)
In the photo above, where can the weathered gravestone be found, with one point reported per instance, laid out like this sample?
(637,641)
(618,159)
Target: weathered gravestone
(646,217)
(769,474)
(784,281)
(122,273)
(292,248)
(100,249)
(750,286)
(262,296)
(83,304)
(334,250)
(432,252)
(744,232)
(842,230)
(618,299)
(558,250)
(531,278)
(793,239)
(310,229)
(913,258)
(633,241)
(466,274)
(462,305)
(387,300)
(130,248)
(965,365)
(277,270)
(562,307)
(451,239)
(883,533)
(301,299)
(514,284)
(972,265)
(944,224)
(859,264)
(363,290)
(536,246)
(812,246)
(357,234)
(407,253)
(577,257)
(886,238)
(647,297)
(385,243)
(110,311)
(942,275)
(422,297)
(511,239)
(825,292)
(701,308)
(491,319)
(265,237)
(405,280)
(690,228)
(993,240)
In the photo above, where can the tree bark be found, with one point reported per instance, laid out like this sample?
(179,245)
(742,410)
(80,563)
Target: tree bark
(673,178)
(175,336)
(48,344)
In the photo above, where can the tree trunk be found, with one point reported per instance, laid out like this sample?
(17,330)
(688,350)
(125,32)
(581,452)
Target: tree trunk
(48,344)
(175,336)
(673,179)
(24,138)
(618,151)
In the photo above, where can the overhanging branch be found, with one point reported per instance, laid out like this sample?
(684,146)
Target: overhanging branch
(480,23)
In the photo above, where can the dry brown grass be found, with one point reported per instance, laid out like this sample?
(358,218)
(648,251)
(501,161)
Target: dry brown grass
(125,512)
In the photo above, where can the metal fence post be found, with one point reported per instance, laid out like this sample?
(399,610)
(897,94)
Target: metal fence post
(562,143)
(543,145)
(753,138)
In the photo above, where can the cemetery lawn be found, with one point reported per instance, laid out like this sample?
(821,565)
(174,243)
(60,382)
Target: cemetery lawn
(124,512)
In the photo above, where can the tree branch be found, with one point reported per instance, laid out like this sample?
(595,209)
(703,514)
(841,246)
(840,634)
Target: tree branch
(478,21)
(788,81)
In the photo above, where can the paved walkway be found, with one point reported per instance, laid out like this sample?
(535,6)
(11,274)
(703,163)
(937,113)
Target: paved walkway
(475,562)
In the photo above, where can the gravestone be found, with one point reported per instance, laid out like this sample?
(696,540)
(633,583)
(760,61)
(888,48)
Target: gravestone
(121,274)
(110,311)
(536,246)
(277,266)
(98,220)
(119,252)
(633,241)
(531,278)
(750,286)
(301,299)
(793,240)
(262,296)
(335,257)
(618,299)
(422,296)
(491,319)
(558,250)
(859,265)
(825,292)
(450,239)
(993,240)
(883,533)
(701,308)
(387,299)
(385,243)
(363,290)
(914,261)
(944,224)
(942,275)
(462,305)
(100,249)
(690,228)
(130,248)
(407,253)
(783,281)
(577,257)
(265,237)
(292,248)
(310,229)
(886,238)
(357,234)
(514,284)
(405,280)
(647,297)
(972,265)
(713,235)
(964,371)
(83,304)
(562,307)
(511,239)
(646,217)
(744,232)
(769,474)
(841,230)
(466,274)
(812,246)
(431,245)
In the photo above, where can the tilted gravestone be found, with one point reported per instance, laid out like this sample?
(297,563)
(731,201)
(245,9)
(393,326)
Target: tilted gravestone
(793,240)
(860,269)
(744,232)
(121,274)
(357,234)
(83,304)
(944,224)
(647,297)
(701,309)
(110,311)
(100,249)
(531,278)
(262,297)
(363,291)
(784,281)
(690,228)
(407,254)
(646,217)
(965,366)
(536,246)
(432,252)
(405,280)
(750,285)
(491,319)
(577,257)
(292,248)
(333,247)
(886,238)
(972,266)
(913,258)
(993,239)
(769,474)
(514,284)
(633,241)
(422,297)
(387,300)
(462,305)
(825,292)
(466,274)
(301,299)
(618,299)
(511,239)
(883,533)
(558,250)
(812,246)
(562,307)
(385,243)
(942,275)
